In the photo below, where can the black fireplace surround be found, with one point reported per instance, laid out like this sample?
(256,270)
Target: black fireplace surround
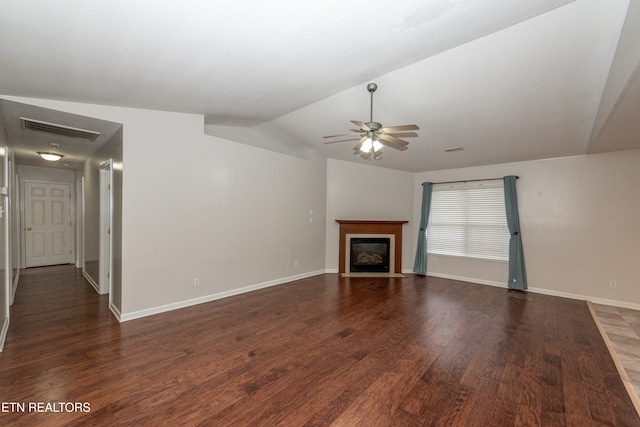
(370,254)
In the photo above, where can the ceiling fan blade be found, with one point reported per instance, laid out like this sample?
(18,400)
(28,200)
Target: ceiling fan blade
(402,134)
(342,140)
(340,134)
(361,125)
(402,128)
(393,142)
(356,149)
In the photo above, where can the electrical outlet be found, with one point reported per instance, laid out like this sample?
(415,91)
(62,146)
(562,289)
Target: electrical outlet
(196,281)
(613,284)
(296,263)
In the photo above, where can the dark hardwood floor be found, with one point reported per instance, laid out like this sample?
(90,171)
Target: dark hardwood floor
(320,351)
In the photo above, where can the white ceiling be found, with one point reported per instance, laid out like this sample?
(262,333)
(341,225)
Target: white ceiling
(507,80)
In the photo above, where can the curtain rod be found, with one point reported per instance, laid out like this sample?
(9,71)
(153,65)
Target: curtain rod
(471,180)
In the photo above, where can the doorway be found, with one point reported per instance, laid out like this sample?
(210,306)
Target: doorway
(106,224)
(47,219)
(80,223)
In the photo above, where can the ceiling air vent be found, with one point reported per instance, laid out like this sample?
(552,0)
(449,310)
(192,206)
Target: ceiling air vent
(56,129)
(453,149)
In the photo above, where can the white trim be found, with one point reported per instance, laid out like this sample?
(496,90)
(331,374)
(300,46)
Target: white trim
(469,279)
(615,303)
(432,255)
(550,292)
(3,331)
(80,223)
(5,212)
(14,287)
(207,298)
(115,311)
(105,264)
(91,281)
(603,301)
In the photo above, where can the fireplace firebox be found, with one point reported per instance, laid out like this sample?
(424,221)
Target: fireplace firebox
(370,229)
(369,254)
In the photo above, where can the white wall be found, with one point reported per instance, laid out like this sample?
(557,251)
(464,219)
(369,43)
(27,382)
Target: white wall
(197,206)
(357,191)
(580,225)
(35,173)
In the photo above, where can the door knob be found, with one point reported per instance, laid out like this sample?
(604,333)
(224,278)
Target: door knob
(28,228)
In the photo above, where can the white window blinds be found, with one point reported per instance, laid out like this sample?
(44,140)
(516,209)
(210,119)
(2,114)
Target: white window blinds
(469,220)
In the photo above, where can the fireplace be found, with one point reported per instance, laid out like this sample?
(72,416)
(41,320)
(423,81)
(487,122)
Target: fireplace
(369,254)
(378,244)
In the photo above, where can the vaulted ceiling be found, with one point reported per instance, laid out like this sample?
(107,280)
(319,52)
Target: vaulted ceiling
(504,80)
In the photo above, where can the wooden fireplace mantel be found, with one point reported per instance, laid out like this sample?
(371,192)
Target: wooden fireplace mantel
(349,226)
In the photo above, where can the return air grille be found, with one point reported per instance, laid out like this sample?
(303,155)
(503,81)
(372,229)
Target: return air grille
(56,129)
(453,149)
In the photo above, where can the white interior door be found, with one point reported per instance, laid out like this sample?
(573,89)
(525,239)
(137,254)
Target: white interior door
(47,224)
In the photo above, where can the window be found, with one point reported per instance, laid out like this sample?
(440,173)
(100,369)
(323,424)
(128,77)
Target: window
(469,221)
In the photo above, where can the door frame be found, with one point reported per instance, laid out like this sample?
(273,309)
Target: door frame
(80,223)
(5,238)
(106,225)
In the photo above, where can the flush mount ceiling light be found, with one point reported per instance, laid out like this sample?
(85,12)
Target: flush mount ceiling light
(372,136)
(51,157)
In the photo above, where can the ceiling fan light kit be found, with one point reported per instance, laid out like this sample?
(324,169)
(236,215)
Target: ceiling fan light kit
(372,137)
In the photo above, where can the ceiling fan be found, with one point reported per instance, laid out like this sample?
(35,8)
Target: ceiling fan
(372,136)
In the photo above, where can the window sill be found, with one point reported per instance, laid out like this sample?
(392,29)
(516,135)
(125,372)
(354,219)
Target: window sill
(498,261)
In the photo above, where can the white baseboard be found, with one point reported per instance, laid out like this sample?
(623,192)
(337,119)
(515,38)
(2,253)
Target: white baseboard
(615,303)
(3,332)
(468,279)
(207,298)
(91,281)
(603,301)
(115,311)
(14,287)
(550,292)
